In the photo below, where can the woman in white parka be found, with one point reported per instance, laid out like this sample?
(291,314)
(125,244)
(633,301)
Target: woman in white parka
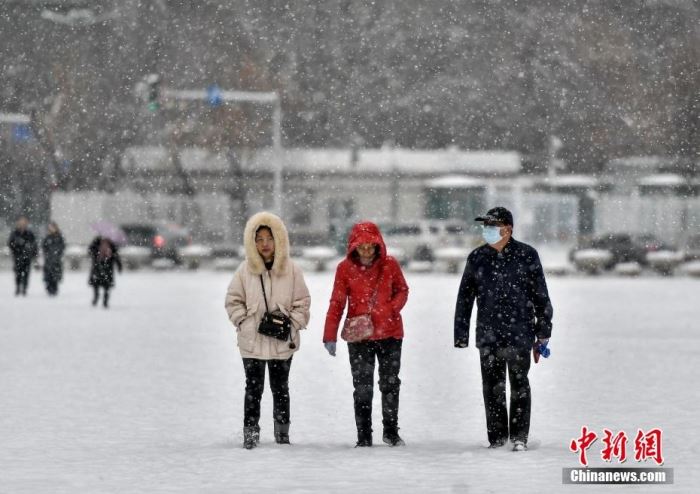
(267,264)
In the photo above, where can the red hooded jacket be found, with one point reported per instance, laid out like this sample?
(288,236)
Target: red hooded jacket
(356,283)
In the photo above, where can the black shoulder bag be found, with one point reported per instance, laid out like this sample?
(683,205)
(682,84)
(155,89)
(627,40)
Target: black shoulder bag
(275,324)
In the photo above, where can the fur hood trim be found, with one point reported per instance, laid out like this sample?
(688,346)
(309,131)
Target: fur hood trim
(279,233)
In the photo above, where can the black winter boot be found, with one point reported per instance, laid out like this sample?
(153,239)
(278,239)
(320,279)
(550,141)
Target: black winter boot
(281,433)
(364,439)
(392,438)
(251,436)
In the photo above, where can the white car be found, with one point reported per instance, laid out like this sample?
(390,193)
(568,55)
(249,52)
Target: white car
(419,240)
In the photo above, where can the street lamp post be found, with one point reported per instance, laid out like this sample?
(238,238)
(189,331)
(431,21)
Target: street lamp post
(255,97)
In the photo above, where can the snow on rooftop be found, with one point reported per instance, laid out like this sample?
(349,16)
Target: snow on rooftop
(16,118)
(156,158)
(638,163)
(573,181)
(662,180)
(339,160)
(455,182)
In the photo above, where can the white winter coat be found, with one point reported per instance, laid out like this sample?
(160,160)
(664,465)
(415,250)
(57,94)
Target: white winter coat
(285,288)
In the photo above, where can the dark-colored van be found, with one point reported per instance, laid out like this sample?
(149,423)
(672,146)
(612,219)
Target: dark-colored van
(164,239)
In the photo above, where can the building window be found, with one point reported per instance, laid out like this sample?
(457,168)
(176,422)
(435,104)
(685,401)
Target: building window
(446,203)
(301,207)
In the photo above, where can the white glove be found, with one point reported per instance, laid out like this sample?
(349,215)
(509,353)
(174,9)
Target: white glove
(330,347)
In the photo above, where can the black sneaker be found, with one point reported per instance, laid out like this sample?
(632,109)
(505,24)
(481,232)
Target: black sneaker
(392,438)
(497,444)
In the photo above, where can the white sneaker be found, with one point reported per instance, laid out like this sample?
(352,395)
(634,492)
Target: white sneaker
(519,446)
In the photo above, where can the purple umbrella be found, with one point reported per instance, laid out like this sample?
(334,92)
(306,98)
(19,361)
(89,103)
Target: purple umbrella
(111,231)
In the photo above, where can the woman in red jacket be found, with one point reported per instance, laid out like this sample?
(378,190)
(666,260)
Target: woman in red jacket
(371,283)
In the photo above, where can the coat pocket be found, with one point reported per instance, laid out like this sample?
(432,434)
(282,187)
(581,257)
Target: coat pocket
(251,309)
(286,347)
(248,329)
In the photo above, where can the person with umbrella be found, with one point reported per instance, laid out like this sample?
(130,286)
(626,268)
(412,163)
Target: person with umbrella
(111,231)
(104,255)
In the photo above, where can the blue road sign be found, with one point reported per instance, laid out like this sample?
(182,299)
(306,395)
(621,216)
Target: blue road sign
(22,132)
(214,96)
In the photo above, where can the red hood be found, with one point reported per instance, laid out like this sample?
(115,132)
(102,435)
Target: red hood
(365,233)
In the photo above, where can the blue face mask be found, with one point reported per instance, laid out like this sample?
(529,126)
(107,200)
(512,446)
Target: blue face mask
(492,234)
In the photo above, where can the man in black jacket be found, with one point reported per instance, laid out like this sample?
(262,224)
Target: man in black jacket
(23,246)
(514,314)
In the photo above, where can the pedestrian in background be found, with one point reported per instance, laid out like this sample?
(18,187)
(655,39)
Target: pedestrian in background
(371,283)
(24,249)
(506,279)
(268,282)
(104,256)
(53,247)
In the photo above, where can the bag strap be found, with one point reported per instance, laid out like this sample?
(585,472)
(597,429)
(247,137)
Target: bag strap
(262,283)
(373,300)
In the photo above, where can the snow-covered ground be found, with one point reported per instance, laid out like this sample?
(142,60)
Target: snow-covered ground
(147,396)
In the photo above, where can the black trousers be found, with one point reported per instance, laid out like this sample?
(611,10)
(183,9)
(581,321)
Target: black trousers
(362,357)
(51,282)
(96,294)
(22,270)
(51,286)
(494,363)
(255,383)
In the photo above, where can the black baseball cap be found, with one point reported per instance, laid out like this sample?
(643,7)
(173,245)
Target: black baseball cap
(497,215)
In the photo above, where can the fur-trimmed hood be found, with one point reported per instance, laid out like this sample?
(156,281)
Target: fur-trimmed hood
(279,234)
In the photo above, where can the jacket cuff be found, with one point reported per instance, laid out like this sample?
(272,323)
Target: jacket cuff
(543,333)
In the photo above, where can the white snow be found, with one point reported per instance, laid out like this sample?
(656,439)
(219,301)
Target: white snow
(320,253)
(389,160)
(134,251)
(195,251)
(455,182)
(16,118)
(665,256)
(593,255)
(572,181)
(662,179)
(451,253)
(324,160)
(628,269)
(692,268)
(147,396)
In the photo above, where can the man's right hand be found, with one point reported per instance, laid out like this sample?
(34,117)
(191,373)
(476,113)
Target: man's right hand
(461,343)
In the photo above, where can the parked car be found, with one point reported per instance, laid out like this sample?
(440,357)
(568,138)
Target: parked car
(620,245)
(651,243)
(623,247)
(420,239)
(164,239)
